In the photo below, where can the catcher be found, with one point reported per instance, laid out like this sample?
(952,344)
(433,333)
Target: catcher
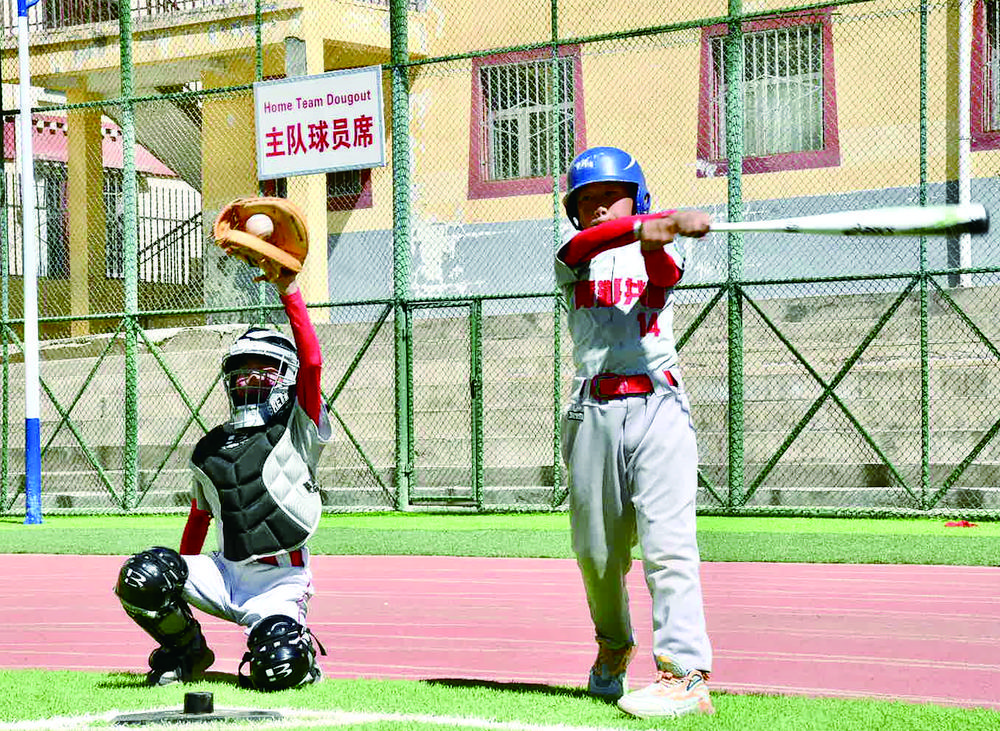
(254,475)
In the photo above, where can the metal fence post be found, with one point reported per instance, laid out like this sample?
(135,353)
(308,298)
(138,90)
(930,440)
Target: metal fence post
(925,429)
(557,466)
(130,455)
(734,154)
(4,342)
(399,55)
(476,388)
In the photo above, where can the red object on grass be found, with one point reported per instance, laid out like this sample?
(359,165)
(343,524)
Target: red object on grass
(959,524)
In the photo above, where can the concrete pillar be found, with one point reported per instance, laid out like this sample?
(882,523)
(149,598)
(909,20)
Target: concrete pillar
(87,226)
(229,166)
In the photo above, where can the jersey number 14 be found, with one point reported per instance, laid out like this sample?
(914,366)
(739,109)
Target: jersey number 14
(648,324)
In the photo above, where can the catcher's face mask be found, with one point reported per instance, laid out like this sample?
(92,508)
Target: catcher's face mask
(260,372)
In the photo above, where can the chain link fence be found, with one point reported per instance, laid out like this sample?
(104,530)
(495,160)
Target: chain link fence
(828,375)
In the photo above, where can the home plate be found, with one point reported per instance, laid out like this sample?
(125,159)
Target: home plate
(198,708)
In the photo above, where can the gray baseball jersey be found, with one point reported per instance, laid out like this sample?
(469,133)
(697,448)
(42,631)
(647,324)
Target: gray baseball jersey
(632,460)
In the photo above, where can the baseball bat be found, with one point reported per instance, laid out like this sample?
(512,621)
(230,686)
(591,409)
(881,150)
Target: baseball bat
(946,220)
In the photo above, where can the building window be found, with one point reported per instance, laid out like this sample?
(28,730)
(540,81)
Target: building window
(274,187)
(789,96)
(985,103)
(51,230)
(523,104)
(53,233)
(114,221)
(346,190)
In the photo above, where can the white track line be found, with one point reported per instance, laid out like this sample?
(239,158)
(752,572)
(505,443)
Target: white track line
(298,717)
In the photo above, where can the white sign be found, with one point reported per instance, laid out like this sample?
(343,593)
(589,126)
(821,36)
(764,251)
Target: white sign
(319,124)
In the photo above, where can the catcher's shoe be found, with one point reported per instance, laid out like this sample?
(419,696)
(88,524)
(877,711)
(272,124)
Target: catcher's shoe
(608,673)
(314,675)
(169,665)
(670,696)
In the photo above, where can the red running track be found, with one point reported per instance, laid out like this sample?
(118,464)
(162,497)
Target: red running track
(913,633)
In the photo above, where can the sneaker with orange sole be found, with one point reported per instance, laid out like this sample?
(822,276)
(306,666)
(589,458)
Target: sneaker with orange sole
(670,696)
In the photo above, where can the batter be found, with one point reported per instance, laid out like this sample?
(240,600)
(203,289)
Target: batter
(254,476)
(628,438)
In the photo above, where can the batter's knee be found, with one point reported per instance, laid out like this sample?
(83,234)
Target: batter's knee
(151,582)
(602,565)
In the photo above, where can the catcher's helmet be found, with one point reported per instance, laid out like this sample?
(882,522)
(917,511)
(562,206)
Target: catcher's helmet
(260,371)
(602,165)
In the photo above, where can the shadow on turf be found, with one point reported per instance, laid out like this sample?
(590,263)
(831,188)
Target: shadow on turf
(539,688)
(138,680)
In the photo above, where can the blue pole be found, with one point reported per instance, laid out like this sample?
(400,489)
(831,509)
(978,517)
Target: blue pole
(32,429)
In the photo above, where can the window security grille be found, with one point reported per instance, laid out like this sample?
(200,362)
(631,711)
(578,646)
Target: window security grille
(782,92)
(519,102)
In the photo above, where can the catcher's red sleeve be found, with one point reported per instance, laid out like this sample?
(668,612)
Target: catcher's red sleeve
(195,530)
(307,388)
(660,266)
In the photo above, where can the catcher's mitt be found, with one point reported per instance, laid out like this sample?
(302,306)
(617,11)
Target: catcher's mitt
(274,244)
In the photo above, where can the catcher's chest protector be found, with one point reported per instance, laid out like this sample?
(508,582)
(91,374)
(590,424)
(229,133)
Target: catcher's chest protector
(256,519)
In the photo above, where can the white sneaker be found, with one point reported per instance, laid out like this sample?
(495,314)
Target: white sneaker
(608,673)
(670,696)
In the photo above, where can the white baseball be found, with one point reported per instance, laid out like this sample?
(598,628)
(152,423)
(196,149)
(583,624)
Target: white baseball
(260,225)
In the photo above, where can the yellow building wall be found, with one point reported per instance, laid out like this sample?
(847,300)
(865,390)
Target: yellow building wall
(640,93)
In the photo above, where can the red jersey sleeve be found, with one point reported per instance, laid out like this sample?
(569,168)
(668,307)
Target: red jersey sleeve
(593,241)
(307,388)
(195,530)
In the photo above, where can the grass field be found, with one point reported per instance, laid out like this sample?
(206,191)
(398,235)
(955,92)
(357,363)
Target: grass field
(545,535)
(60,700)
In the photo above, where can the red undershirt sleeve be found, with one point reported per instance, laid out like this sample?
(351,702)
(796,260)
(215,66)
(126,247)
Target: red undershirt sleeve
(661,268)
(195,530)
(593,241)
(307,388)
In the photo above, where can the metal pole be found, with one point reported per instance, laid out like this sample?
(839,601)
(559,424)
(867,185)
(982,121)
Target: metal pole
(476,388)
(734,154)
(5,315)
(130,454)
(925,429)
(399,55)
(29,233)
(555,149)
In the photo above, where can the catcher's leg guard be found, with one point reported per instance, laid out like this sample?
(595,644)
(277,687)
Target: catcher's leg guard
(149,588)
(281,655)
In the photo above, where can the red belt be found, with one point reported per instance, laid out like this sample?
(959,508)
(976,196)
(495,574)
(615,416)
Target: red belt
(612,385)
(294,556)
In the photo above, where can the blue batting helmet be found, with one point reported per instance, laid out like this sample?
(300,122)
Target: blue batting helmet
(599,165)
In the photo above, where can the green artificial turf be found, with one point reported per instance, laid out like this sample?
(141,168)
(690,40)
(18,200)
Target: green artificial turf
(444,703)
(546,535)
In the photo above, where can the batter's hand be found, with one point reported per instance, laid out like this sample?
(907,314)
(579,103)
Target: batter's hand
(656,233)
